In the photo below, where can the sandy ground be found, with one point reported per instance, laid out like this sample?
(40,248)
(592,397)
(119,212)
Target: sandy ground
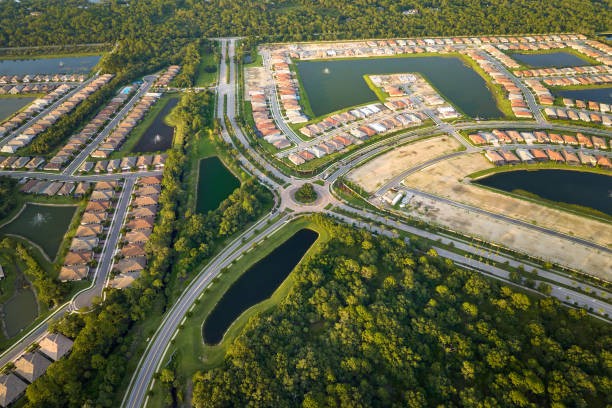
(376,172)
(553,249)
(442,179)
(256,77)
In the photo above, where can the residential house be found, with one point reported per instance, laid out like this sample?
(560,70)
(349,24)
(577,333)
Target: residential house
(55,345)
(31,366)
(11,389)
(78,258)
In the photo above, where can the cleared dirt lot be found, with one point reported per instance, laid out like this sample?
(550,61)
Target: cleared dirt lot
(377,172)
(442,179)
(554,249)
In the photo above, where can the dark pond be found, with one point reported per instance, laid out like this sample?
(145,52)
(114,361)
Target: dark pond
(258,283)
(215,184)
(66,65)
(335,85)
(555,59)
(158,136)
(44,225)
(8,106)
(601,95)
(573,187)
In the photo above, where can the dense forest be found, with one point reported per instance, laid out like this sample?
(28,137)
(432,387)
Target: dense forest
(9,194)
(371,322)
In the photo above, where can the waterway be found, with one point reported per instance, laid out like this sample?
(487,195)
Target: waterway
(335,85)
(547,60)
(215,184)
(158,136)
(258,283)
(8,106)
(586,189)
(601,95)
(44,225)
(64,65)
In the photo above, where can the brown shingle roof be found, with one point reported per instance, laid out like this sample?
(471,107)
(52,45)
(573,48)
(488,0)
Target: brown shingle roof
(31,366)
(11,388)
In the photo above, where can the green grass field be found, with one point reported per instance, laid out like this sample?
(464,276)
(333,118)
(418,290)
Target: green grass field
(188,350)
(207,78)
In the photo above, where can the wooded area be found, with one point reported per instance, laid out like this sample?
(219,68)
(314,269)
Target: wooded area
(371,322)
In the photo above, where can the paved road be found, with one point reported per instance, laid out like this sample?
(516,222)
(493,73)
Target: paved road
(153,355)
(42,114)
(108,251)
(82,156)
(67,177)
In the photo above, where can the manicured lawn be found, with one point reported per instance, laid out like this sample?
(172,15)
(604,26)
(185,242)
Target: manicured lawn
(207,78)
(188,349)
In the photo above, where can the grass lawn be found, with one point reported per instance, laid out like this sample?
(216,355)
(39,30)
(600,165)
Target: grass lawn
(206,59)
(188,349)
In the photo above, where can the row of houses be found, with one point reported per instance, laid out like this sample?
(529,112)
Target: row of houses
(50,118)
(542,93)
(497,137)
(114,140)
(89,233)
(501,57)
(419,45)
(31,365)
(324,148)
(167,76)
(33,109)
(514,94)
(126,164)
(530,156)
(582,116)
(590,105)
(579,80)
(139,226)
(287,88)
(603,57)
(21,162)
(547,72)
(26,89)
(77,142)
(264,125)
(16,79)
(53,188)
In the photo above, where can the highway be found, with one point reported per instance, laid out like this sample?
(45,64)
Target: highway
(82,156)
(154,354)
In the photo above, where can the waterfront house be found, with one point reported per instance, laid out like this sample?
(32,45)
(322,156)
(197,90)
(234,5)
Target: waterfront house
(539,155)
(587,159)
(78,258)
(555,156)
(81,189)
(509,157)
(494,158)
(93,218)
(570,158)
(525,156)
(31,366)
(90,230)
(98,206)
(603,162)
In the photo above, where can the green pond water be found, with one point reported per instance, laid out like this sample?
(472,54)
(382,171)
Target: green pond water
(20,311)
(257,284)
(215,184)
(63,65)
(335,85)
(44,225)
(553,59)
(8,106)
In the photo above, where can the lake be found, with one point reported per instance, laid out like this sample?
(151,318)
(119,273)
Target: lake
(573,187)
(554,59)
(258,283)
(20,311)
(158,136)
(215,184)
(8,106)
(335,85)
(601,95)
(64,65)
(44,225)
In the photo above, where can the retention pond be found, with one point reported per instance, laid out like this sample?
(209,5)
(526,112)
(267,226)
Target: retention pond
(43,225)
(8,106)
(20,311)
(584,189)
(547,60)
(67,65)
(601,95)
(159,135)
(215,184)
(335,85)
(256,284)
